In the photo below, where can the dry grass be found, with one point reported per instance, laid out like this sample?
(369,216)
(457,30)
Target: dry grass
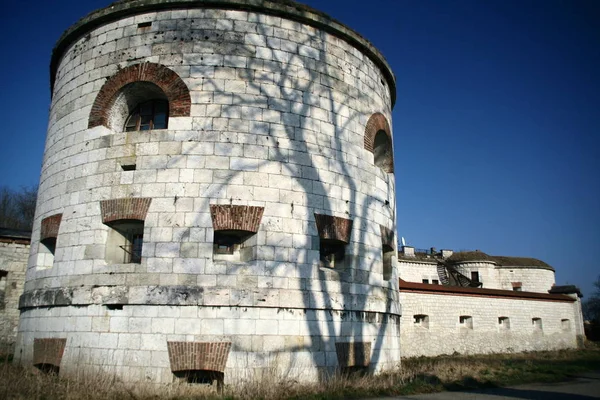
(417,375)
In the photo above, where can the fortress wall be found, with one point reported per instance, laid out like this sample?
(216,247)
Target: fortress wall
(532,279)
(417,271)
(278,118)
(13,263)
(446,335)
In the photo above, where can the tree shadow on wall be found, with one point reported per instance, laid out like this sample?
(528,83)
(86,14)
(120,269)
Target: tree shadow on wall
(309,107)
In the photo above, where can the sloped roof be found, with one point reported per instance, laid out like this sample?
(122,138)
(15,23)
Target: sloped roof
(476,255)
(479,292)
(521,262)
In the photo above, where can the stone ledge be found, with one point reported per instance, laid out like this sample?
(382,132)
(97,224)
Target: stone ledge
(209,297)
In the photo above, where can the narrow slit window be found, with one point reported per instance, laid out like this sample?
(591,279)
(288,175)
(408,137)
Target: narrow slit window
(128,167)
(388,254)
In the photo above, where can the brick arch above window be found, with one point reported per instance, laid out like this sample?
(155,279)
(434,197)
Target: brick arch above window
(169,82)
(127,208)
(236,218)
(379,123)
(333,228)
(50,226)
(186,356)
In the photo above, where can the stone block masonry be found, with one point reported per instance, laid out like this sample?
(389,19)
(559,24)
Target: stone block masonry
(200,158)
(445,320)
(14,252)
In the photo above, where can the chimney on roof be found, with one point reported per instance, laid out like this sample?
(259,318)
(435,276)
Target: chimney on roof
(447,253)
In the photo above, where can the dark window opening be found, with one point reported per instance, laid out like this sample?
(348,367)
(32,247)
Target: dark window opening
(382,151)
(50,244)
(125,242)
(435,281)
(504,322)
(425,280)
(49,369)
(466,321)
(233,245)
(152,114)
(388,253)
(144,24)
(202,377)
(3,275)
(421,320)
(332,253)
(226,243)
(475,276)
(114,306)
(128,167)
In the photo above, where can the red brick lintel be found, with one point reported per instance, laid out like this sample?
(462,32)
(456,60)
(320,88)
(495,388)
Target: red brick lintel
(414,287)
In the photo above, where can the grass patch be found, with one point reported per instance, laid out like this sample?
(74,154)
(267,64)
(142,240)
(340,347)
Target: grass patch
(417,375)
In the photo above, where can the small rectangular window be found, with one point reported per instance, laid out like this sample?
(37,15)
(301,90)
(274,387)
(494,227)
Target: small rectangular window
(565,324)
(537,324)
(504,323)
(128,167)
(332,253)
(125,242)
(144,25)
(435,282)
(425,280)
(466,321)
(421,320)
(475,276)
(388,254)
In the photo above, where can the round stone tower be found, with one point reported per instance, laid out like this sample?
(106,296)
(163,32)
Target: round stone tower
(216,197)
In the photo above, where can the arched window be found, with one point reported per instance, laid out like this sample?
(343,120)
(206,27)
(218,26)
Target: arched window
(152,114)
(140,97)
(382,151)
(378,140)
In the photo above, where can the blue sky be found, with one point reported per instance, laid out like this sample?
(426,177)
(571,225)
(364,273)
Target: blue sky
(496,126)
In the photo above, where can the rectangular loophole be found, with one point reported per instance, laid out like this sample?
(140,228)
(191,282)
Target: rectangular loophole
(144,25)
(128,167)
(114,306)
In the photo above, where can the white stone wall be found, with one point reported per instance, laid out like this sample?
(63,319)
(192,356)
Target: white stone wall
(277,120)
(132,342)
(532,279)
(487,272)
(415,271)
(13,260)
(446,336)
